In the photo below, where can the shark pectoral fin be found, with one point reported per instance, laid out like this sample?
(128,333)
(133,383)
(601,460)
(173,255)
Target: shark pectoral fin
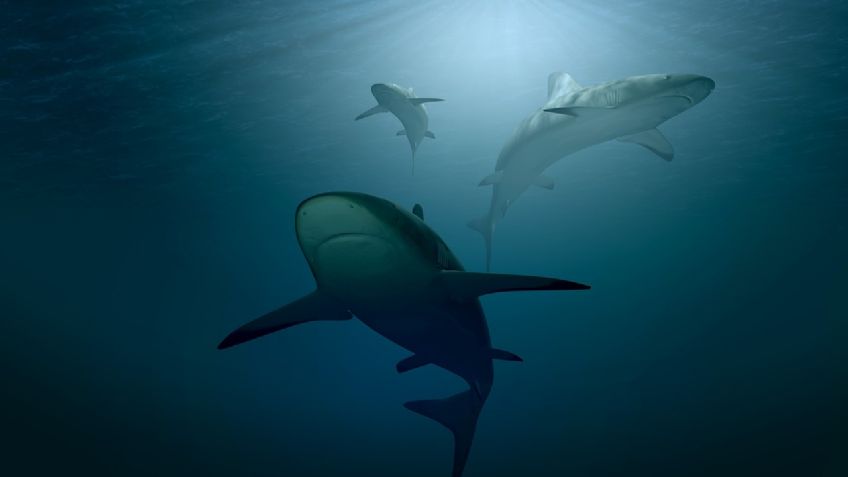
(565,111)
(579,111)
(413,362)
(312,307)
(465,286)
(652,140)
(417,101)
(504,355)
(430,135)
(492,178)
(402,132)
(375,110)
(544,182)
(458,413)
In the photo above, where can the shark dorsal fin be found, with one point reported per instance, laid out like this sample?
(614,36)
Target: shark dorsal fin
(560,84)
(418,211)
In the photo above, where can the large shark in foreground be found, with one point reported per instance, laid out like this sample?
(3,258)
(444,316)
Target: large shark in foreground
(388,268)
(574,118)
(408,108)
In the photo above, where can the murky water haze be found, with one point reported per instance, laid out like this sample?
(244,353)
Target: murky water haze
(152,155)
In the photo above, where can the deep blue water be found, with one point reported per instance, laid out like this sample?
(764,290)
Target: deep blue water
(152,155)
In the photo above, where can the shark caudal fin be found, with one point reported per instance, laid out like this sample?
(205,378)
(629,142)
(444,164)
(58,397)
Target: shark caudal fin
(413,160)
(458,413)
(486,226)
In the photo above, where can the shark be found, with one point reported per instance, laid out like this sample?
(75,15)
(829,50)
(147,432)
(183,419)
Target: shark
(576,117)
(385,266)
(408,108)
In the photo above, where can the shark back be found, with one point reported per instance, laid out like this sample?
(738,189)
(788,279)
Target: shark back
(561,87)
(426,241)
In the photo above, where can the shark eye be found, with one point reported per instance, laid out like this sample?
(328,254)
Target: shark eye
(667,77)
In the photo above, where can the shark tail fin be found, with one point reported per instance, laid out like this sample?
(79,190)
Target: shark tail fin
(412,147)
(458,413)
(486,226)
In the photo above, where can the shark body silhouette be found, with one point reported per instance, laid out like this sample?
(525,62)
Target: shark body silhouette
(384,265)
(574,118)
(408,108)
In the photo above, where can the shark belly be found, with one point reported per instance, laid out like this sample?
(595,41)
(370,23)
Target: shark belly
(390,289)
(366,271)
(414,121)
(433,333)
(384,265)
(535,153)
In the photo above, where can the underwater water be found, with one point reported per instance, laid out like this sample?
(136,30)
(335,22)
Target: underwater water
(152,155)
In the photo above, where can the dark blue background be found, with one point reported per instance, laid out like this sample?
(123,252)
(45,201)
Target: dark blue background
(152,154)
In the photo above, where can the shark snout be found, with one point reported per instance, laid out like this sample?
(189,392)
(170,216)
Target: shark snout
(327,216)
(354,258)
(381,92)
(694,87)
(378,88)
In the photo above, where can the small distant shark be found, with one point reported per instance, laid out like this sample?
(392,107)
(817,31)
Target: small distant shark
(384,265)
(409,109)
(575,118)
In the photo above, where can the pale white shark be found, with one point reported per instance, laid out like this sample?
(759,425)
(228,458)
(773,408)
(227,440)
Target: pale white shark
(384,265)
(574,118)
(408,108)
